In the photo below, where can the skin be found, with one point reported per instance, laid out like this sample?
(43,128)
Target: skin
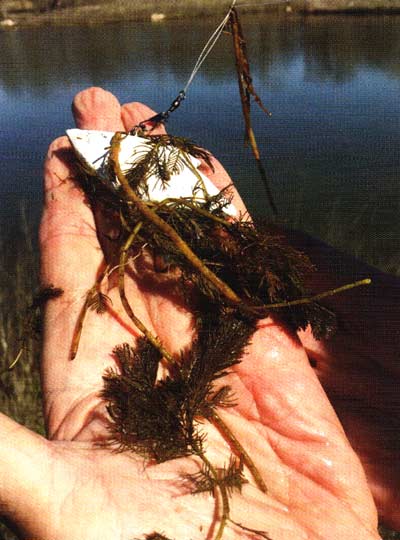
(66,487)
(359,366)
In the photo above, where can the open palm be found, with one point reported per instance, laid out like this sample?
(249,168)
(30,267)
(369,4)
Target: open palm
(67,487)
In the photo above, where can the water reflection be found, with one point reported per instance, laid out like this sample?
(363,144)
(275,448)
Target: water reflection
(337,51)
(332,147)
(332,48)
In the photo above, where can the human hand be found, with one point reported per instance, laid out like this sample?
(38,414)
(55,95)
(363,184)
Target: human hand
(67,487)
(359,366)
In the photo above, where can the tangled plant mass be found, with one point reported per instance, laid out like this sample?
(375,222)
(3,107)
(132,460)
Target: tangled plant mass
(229,271)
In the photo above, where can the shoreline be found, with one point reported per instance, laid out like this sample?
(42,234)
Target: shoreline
(17,13)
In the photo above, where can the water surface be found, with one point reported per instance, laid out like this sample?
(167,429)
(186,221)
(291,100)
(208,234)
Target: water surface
(331,148)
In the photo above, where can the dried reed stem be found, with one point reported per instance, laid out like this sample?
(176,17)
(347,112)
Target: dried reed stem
(246,90)
(88,300)
(154,340)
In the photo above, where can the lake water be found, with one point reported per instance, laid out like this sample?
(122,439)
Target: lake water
(331,148)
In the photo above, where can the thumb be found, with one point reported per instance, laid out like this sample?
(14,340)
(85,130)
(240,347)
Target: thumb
(24,472)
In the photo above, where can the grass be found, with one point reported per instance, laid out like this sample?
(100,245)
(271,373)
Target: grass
(20,389)
(102,11)
(20,395)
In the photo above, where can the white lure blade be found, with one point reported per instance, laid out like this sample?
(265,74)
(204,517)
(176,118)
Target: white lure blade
(92,148)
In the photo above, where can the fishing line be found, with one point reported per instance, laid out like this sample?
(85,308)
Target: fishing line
(163,116)
(209,46)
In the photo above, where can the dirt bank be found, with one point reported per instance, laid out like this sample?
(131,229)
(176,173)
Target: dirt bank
(39,12)
(329,6)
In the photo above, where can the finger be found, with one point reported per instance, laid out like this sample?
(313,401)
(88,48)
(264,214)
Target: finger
(70,258)
(70,252)
(68,229)
(95,108)
(24,472)
(98,109)
(68,241)
(132,114)
(219,176)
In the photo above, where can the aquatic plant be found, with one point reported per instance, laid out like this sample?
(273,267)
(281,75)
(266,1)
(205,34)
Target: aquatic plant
(236,270)
(229,270)
(232,271)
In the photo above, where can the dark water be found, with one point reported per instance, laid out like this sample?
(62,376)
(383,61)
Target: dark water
(332,146)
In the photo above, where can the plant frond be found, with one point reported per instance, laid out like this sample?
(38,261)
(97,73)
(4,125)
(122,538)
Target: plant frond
(203,481)
(99,302)
(232,477)
(223,397)
(45,294)
(150,417)
(252,532)
(162,156)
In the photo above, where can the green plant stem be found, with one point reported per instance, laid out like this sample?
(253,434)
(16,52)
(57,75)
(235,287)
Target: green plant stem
(227,432)
(224,494)
(154,340)
(319,296)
